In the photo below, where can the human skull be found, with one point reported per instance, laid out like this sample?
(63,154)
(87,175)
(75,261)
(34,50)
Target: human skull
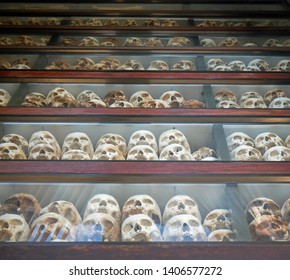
(178,205)
(272,94)
(4,97)
(4,63)
(222,68)
(121,104)
(252,69)
(222,235)
(56,93)
(178,42)
(158,65)
(94,22)
(77,22)
(262,206)
(225,94)
(287,43)
(169,22)
(58,65)
(142,152)
(277,153)
(139,98)
(23,204)
(184,228)
(237,65)
(173,98)
(86,95)
(34,99)
(250,45)
(183,65)
(113,139)
(13,228)
(218,219)
(132,64)
(152,22)
(214,62)
(207,42)
(143,137)
(153,42)
(94,103)
(207,23)
(75,154)
(65,209)
(17,139)
(89,42)
(226,104)
(246,153)
(112,63)
(133,42)
(83,63)
(44,137)
(268,228)
(250,94)
(267,140)
(203,152)
(280,102)
(104,203)
(172,136)
(230,42)
(111,22)
(50,226)
(175,152)
(155,103)
(6,41)
(69,41)
(99,227)
(108,152)
(11,151)
(192,103)
(79,141)
(259,63)
(115,95)
(272,43)
(285,211)
(130,22)
(140,228)
(23,40)
(142,204)
(283,65)
(254,103)
(43,151)
(237,139)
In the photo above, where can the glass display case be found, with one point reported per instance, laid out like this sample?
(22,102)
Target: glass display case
(145,133)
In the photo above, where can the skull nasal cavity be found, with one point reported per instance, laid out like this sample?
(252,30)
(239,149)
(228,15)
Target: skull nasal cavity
(138,203)
(137,227)
(103,203)
(142,138)
(185,227)
(266,206)
(42,151)
(76,140)
(171,137)
(181,206)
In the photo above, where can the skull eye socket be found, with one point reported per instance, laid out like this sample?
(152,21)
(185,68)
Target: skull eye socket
(212,216)
(274,153)
(112,202)
(193,223)
(130,203)
(145,223)
(189,202)
(111,151)
(176,224)
(127,227)
(15,222)
(172,204)
(108,225)
(96,200)
(148,201)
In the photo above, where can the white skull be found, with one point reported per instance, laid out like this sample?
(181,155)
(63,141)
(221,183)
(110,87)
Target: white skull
(226,104)
(183,65)
(259,63)
(140,228)
(225,94)
(86,95)
(65,209)
(184,228)
(218,219)
(94,22)
(121,104)
(108,152)
(132,64)
(89,41)
(214,62)
(104,203)
(43,151)
(133,42)
(262,206)
(139,98)
(268,228)
(280,102)
(283,65)
(13,228)
(153,42)
(143,137)
(142,152)
(237,139)
(272,43)
(254,102)
(247,153)
(250,45)
(113,139)
(207,42)
(173,98)
(44,137)
(11,151)
(180,204)
(4,97)
(17,139)
(175,152)
(169,22)
(34,99)
(270,95)
(178,42)
(203,152)
(285,211)
(57,92)
(252,69)
(222,235)
(250,94)
(142,204)
(75,154)
(277,153)
(83,63)
(230,42)
(50,226)
(155,103)
(237,65)
(222,68)
(172,136)
(267,140)
(99,227)
(78,141)
(158,65)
